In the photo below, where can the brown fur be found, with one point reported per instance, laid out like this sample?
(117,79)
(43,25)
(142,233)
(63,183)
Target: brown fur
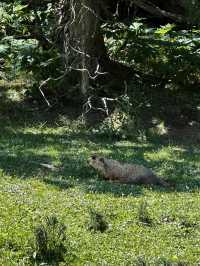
(125,173)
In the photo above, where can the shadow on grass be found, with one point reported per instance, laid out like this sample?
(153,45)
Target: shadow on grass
(105,187)
(61,184)
(21,154)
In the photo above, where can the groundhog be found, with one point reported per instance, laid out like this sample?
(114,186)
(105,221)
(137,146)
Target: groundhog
(125,173)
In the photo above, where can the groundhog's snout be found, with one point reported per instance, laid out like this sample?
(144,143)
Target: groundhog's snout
(90,159)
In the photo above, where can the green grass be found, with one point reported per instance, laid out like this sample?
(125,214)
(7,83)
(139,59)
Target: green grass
(29,193)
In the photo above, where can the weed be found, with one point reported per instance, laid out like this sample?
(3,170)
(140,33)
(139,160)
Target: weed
(166,262)
(143,214)
(185,223)
(50,240)
(97,222)
(140,261)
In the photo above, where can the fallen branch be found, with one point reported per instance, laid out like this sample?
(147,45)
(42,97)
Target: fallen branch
(50,167)
(155,10)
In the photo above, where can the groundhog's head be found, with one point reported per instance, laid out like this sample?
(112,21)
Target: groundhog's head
(97,162)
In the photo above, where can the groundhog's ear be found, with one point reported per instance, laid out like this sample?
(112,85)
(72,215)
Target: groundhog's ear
(93,157)
(102,160)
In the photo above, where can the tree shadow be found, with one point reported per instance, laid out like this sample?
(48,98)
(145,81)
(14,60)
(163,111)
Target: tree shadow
(59,183)
(22,153)
(117,190)
(23,166)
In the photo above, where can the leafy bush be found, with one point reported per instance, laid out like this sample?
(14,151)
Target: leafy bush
(124,122)
(165,52)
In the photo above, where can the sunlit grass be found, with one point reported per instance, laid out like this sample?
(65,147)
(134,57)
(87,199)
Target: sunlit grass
(30,192)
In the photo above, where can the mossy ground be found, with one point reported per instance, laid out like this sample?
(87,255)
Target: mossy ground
(30,192)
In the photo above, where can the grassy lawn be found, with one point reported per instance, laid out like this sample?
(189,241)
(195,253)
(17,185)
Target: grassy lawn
(30,192)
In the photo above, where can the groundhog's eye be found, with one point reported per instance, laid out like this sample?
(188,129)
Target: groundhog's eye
(94,157)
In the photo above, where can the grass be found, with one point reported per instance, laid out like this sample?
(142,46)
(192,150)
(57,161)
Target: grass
(30,192)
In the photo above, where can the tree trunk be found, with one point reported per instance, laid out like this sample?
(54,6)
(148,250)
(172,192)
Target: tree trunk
(80,40)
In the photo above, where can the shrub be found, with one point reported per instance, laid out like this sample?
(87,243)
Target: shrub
(124,121)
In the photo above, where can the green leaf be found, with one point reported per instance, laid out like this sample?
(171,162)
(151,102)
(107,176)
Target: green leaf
(19,8)
(164,29)
(3,48)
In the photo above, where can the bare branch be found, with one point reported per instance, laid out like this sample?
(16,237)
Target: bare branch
(45,82)
(88,105)
(91,11)
(79,51)
(97,73)
(41,85)
(73,6)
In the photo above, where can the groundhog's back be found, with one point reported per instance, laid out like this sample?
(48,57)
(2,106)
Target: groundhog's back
(118,170)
